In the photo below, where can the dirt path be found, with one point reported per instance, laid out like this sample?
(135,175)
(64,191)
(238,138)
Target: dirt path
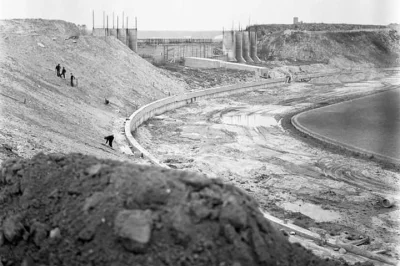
(329,193)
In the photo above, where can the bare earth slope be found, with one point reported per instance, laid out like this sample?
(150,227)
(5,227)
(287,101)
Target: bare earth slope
(339,45)
(56,116)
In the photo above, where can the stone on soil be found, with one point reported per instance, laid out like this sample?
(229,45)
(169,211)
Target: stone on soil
(133,227)
(55,233)
(13,228)
(39,231)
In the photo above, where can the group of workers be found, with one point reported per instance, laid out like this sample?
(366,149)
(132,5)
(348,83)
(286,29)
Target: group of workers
(61,74)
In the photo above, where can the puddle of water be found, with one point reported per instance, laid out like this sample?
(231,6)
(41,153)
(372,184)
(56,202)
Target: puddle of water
(249,120)
(311,210)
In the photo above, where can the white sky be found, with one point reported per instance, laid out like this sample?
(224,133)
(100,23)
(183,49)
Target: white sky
(206,14)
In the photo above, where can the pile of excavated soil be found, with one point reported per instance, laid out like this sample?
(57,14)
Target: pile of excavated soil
(79,210)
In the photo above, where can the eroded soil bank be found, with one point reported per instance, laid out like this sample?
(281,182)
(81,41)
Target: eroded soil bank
(241,139)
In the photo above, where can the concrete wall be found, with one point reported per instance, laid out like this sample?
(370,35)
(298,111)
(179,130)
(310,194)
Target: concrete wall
(212,63)
(99,32)
(202,63)
(229,45)
(158,107)
(253,47)
(239,47)
(157,53)
(126,36)
(173,102)
(121,35)
(246,47)
(113,32)
(132,39)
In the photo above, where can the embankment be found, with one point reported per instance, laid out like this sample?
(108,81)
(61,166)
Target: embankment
(340,46)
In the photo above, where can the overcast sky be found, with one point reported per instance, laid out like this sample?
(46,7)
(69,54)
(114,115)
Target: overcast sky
(206,14)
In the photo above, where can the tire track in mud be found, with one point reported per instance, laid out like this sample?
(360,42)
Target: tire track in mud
(352,177)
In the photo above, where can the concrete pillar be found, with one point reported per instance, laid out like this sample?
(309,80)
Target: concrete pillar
(246,47)
(228,45)
(113,32)
(239,47)
(253,47)
(122,35)
(132,39)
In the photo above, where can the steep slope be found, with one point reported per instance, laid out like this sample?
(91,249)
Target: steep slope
(338,45)
(55,116)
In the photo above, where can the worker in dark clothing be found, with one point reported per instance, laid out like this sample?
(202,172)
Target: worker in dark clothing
(72,80)
(109,139)
(58,68)
(63,72)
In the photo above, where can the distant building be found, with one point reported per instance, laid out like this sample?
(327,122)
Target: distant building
(295,20)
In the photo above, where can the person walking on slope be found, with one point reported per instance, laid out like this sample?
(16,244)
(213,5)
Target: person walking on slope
(58,70)
(109,139)
(72,80)
(63,72)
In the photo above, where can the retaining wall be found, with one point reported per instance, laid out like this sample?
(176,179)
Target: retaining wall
(212,63)
(173,102)
(337,143)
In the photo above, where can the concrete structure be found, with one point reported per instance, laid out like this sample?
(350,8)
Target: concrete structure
(161,106)
(121,35)
(126,36)
(246,47)
(112,32)
(229,45)
(211,63)
(295,20)
(253,47)
(239,47)
(173,102)
(170,50)
(132,39)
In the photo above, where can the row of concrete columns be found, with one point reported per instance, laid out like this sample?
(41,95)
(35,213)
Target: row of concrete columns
(241,46)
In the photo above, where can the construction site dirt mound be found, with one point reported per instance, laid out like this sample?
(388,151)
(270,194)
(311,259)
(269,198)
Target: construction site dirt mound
(79,210)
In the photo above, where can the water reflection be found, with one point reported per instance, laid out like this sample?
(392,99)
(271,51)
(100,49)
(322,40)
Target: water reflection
(313,211)
(249,120)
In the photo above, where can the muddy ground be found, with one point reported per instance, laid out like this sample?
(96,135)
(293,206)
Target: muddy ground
(247,141)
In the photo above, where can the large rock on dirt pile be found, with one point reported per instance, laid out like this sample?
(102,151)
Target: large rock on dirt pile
(114,213)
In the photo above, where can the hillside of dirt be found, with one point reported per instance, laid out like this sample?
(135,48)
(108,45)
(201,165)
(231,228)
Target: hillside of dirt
(42,112)
(270,28)
(343,46)
(79,210)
